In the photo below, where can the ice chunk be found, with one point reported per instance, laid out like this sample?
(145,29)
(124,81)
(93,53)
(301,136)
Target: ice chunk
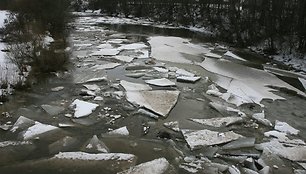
(95,145)
(303,81)
(233,170)
(38,130)
(129,86)
(56,89)
(188,79)
(171,49)
(22,123)
(94,87)
(260,117)
(159,101)
(198,138)
(135,75)
(105,46)
(219,122)
(124,58)
(182,72)
(106,52)
(225,110)
(282,138)
(123,131)
(230,54)
(285,127)
(133,46)
(147,113)
(157,166)
(161,70)
(213,55)
(240,143)
(105,66)
(214,93)
(53,110)
(303,165)
(98,79)
(295,153)
(83,108)
(248,85)
(65,144)
(85,92)
(173,125)
(160,82)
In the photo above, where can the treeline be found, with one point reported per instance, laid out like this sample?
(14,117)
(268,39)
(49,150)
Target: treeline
(280,23)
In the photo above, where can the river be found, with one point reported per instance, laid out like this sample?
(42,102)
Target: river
(122,75)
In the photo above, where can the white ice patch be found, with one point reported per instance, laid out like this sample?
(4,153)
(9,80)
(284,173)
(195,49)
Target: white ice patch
(14,143)
(161,70)
(83,108)
(188,79)
(94,87)
(285,127)
(94,157)
(198,138)
(123,131)
(36,130)
(173,125)
(219,122)
(3,17)
(171,49)
(163,82)
(230,54)
(105,46)
(157,166)
(129,86)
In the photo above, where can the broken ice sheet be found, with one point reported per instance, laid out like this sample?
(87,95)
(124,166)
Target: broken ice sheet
(83,108)
(124,58)
(160,82)
(294,153)
(240,143)
(38,130)
(106,52)
(187,79)
(282,138)
(105,66)
(213,55)
(219,122)
(199,138)
(123,131)
(157,166)
(260,118)
(22,123)
(247,85)
(129,86)
(133,46)
(173,125)
(158,101)
(52,110)
(182,72)
(232,55)
(285,127)
(94,87)
(95,145)
(65,144)
(171,49)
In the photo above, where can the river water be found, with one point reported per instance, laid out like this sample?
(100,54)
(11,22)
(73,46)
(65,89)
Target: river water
(93,46)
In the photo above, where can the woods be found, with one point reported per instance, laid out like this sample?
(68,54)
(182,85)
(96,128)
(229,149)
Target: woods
(281,25)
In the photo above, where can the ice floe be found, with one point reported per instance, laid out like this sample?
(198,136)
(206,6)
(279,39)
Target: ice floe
(22,123)
(129,86)
(187,79)
(199,138)
(240,143)
(232,55)
(124,58)
(95,145)
(293,153)
(123,131)
(285,127)
(282,138)
(157,166)
(219,122)
(133,46)
(94,87)
(105,66)
(37,130)
(106,52)
(260,118)
(53,110)
(182,72)
(163,82)
(65,144)
(161,70)
(245,84)
(56,89)
(173,125)
(213,55)
(83,108)
(171,49)
(158,101)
